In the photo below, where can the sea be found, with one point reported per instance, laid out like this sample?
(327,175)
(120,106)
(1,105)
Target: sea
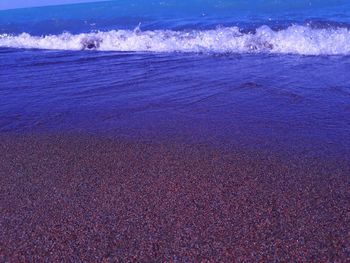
(272,75)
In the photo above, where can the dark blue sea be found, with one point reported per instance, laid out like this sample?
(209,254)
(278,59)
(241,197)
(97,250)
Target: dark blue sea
(269,74)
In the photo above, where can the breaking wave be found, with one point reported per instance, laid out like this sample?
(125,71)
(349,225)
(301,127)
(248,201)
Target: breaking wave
(295,39)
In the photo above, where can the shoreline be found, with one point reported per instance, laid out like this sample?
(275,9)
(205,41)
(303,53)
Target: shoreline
(91,198)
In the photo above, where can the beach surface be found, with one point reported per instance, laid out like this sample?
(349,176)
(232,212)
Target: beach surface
(77,198)
(175,131)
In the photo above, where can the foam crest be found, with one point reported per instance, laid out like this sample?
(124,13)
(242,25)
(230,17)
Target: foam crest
(295,39)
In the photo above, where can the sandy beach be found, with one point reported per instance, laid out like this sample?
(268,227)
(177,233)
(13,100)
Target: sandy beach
(75,198)
(174,131)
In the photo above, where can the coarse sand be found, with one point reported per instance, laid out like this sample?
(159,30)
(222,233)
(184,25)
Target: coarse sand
(70,198)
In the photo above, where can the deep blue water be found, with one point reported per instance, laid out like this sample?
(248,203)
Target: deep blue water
(266,74)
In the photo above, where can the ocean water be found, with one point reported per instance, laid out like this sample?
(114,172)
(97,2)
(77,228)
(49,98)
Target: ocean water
(266,73)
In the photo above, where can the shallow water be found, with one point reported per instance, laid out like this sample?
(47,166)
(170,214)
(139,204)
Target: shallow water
(272,76)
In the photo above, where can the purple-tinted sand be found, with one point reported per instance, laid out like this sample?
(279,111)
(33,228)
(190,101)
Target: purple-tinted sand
(88,199)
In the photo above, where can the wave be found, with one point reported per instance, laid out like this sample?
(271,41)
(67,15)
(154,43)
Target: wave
(296,39)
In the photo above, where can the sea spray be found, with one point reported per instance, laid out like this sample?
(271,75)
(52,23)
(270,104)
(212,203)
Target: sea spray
(295,39)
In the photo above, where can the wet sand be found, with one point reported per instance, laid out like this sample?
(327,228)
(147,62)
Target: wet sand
(82,198)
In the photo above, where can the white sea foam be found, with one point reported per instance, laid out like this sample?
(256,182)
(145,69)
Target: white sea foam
(295,39)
